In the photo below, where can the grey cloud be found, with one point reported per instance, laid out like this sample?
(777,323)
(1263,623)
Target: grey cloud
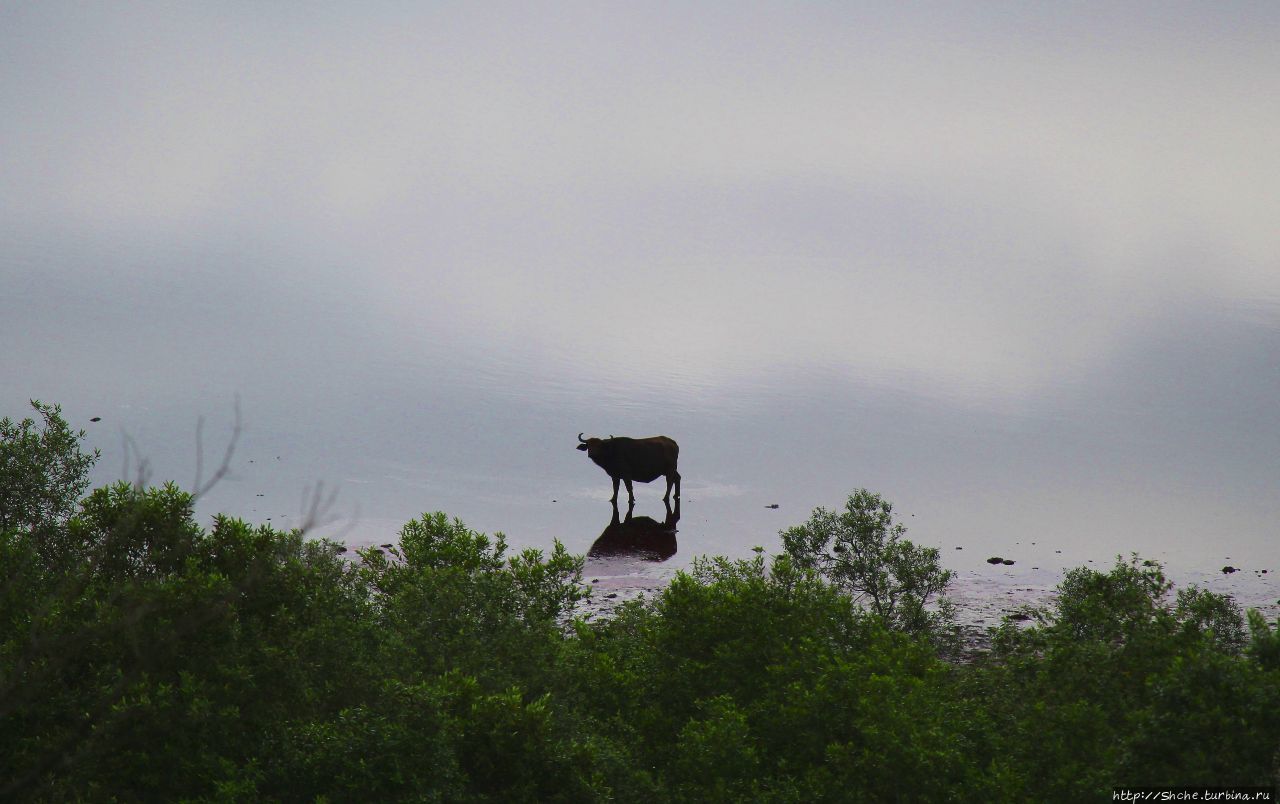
(350,211)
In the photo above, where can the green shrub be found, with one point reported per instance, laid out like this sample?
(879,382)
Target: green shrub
(1117,684)
(43,471)
(743,680)
(862,551)
(1264,641)
(143,657)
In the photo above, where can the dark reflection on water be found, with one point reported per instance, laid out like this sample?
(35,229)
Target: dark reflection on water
(642,537)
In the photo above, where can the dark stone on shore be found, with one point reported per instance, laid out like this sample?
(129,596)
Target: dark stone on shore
(1019,616)
(339,549)
(995,560)
(1227,570)
(611,595)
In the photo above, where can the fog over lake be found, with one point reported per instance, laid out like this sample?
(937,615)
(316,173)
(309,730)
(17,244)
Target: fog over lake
(1013,266)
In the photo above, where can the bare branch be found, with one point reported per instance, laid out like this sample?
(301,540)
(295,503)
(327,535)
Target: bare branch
(143,471)
(199,450)
(224,468)
(316,506)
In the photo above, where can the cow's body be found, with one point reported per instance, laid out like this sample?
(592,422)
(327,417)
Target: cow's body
(641,460)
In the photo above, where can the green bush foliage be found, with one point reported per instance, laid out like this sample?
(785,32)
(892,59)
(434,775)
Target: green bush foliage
(145,657)
(862,550)
(1118,683)
(43,473)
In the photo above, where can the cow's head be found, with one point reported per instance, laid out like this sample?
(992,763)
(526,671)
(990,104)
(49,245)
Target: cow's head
(589,445)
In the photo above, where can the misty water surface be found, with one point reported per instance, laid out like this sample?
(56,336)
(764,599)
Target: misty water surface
(1016,272)
(1162,455)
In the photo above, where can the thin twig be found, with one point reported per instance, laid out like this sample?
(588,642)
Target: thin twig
(224,468)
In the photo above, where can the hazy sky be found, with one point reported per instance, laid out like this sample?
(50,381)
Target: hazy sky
(995,206)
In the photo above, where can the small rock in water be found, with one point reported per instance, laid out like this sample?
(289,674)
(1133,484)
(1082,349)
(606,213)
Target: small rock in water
(96,419)
(995,560)
(1019,616)
(1008,562)
(339,549)
(959,548)
(774,505)
(387,546)
(1227,570)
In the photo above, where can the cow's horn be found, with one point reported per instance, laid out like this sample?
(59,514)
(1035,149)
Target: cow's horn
(580,438)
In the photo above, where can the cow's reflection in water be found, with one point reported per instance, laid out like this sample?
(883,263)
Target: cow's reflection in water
(640,537)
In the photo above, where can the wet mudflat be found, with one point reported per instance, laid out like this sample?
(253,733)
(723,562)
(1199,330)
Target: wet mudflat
(984,593)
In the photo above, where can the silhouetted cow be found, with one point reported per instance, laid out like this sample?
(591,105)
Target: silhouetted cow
(635,459)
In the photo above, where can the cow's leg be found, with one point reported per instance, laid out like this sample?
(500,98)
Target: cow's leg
(672,479)
(673,514)
(614,499)
(631,495)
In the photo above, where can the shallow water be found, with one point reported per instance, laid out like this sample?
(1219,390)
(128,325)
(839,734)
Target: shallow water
(1162,441)
(1170,453)
(823,251)
(889,249)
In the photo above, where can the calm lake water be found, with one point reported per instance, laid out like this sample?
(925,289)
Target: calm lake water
(1173,453)
(1016,273)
